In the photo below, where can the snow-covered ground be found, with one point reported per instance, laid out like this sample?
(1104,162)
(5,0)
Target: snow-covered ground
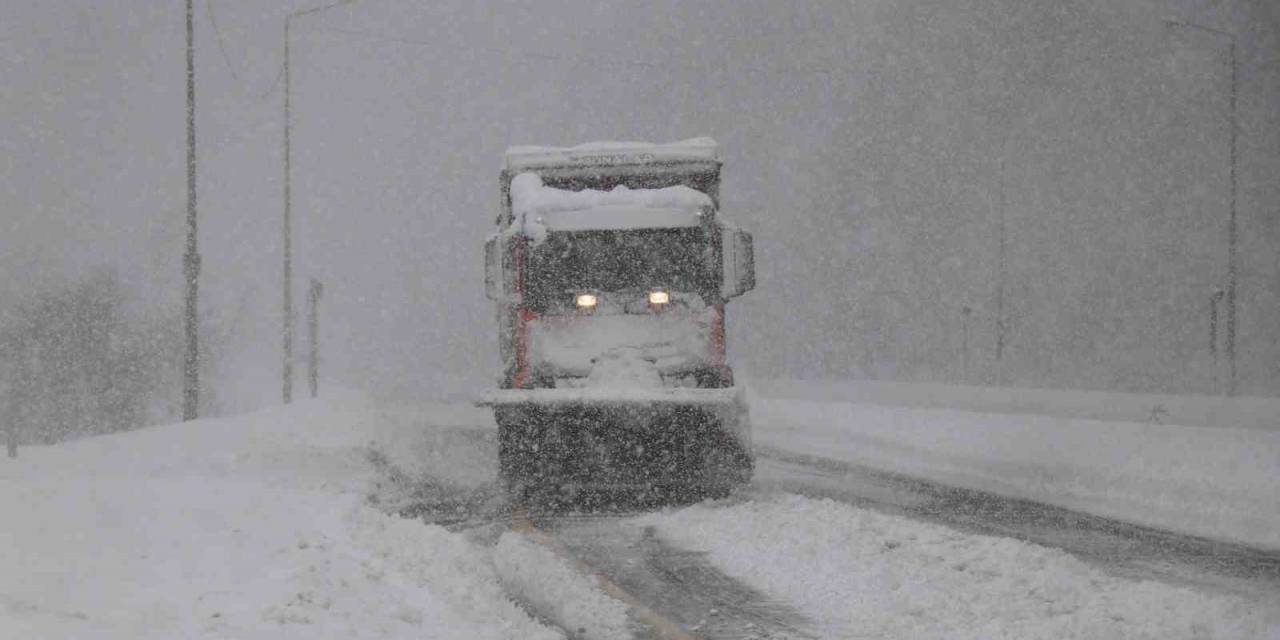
(275,525)
(1214,472)
(1197,411)
(253,527)
(860,574)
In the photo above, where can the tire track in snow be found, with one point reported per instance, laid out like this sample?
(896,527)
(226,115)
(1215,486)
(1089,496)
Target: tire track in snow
(679,590)
(672,594)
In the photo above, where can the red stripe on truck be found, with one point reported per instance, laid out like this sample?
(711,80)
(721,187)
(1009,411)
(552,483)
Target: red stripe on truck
(716,350)
(523,317)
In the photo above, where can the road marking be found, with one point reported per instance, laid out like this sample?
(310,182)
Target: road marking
(664,627)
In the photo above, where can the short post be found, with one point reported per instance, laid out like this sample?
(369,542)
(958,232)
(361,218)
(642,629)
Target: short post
(313,335)
(9,416)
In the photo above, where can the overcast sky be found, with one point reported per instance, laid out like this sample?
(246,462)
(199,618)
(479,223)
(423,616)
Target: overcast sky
(869,145)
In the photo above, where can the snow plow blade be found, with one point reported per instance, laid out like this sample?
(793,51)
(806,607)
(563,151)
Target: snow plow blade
(569,446)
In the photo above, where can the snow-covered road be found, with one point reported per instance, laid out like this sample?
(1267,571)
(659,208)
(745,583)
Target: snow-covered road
(1118,547)
(287,523)
(811,553)
(858,573)
(1216,478)
(1093,563)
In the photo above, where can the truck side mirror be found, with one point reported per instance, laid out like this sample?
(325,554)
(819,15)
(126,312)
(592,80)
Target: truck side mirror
(492,269)
(739,263)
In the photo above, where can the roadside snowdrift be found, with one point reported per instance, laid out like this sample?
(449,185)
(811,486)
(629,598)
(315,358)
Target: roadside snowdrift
(1208,480)
(252,527)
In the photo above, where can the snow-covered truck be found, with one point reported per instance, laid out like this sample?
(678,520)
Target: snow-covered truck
(611,266)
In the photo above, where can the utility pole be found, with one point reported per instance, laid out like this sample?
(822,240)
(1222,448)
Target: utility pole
(191,259)
(8,401)
(1233,232)
(287,329)
(1002,268)
(313,335)
(287,391)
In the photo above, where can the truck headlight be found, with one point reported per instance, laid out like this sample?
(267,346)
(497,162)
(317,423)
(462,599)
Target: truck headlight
(586,301)
(659,297)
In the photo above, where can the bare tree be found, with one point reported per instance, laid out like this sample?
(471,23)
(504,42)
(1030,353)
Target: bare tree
(80,365)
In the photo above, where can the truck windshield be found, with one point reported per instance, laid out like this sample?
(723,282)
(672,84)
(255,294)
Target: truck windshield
(568,262)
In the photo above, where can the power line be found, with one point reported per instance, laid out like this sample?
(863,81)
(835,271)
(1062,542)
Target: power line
(226,58)
(208,7)
(274,84)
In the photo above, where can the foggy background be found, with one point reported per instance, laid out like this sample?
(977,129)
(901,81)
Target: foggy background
(1022,193)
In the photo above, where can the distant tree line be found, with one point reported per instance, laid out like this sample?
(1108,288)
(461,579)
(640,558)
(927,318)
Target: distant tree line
(78,363)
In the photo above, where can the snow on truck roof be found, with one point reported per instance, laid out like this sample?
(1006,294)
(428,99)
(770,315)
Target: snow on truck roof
(611,153)
(548,208)
(617,218)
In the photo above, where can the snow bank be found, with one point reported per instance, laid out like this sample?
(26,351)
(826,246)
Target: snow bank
(553,586)
(1218,482)
(253,527)
(438,443)
(451,567)
(861,574)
